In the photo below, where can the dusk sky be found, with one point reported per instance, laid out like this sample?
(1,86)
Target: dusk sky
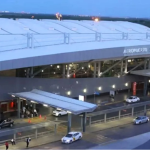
(114,8)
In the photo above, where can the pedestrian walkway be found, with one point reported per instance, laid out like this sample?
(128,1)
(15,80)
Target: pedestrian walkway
(34,142)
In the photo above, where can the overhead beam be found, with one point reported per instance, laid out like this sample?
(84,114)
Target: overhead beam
(112,66)
(39,71)
(143,62)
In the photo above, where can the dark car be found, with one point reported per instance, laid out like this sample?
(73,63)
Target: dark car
(6,123)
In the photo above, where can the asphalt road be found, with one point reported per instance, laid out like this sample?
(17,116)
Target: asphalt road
(116,133)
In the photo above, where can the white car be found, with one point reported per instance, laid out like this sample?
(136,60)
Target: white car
(132,99)
(59,112)
(71,137)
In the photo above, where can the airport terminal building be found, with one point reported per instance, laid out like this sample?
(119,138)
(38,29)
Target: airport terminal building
(70,58)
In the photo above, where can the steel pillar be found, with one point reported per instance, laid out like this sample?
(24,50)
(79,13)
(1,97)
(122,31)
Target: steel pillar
(15,136)
(145,110)
(55,129)
(0,112)
(89,121)
(84,122)
(69,122)
(34,106)
(145,86)
(36,133)
(64,71)
(94,69)
(121,67)
(67,70)
(81,122)
(145,64)
(18,105)
(133,111)
(149,64)
(99,68)
(126,66)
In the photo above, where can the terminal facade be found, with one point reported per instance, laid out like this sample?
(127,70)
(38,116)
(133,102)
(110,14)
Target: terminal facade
(70,58)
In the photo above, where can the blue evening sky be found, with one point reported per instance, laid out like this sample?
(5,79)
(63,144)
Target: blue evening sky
(114,8)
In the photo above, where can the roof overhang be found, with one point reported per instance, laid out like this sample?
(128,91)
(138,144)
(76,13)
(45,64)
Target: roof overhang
(145,73)
(49,99)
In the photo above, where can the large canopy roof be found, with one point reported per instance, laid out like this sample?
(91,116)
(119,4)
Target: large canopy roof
(49,99)
(75,40)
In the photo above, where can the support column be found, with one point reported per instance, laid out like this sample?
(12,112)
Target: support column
(105,117)
(121,67)
(28,72)
(145,64)
(99,68)
(64,69)
(55,129)
(67,70)
(0,112)
(119,113)
(81,123)
(145,86)
(31,71)
(36,133)
(15,136)
(84,122)
(34,106)
(69,122)
(89,121)
(94,69)
(18,105)
(126,66)
(145,110)
(132,111)
(149,64)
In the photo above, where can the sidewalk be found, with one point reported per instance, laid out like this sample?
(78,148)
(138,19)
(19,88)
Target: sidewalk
(128,143)
(34,142)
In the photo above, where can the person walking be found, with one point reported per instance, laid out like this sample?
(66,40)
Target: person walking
(28,141)
(7,145)
(13,142)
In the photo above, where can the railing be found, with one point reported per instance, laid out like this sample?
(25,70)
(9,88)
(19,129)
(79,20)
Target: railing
(117,117)
(30,40)
(32,136)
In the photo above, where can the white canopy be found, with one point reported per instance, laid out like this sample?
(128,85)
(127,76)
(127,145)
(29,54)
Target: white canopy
(74,106)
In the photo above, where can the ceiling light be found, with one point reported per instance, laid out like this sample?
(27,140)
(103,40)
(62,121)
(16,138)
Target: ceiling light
(100,88)
(113,86)
(84,90)
(68,93)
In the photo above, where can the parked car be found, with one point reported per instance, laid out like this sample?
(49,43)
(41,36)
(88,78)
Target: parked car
(141,119)
(71,137)
(59,112)
(6,123)
(132,99)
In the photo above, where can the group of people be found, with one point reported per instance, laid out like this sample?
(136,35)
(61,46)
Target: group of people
(14,143)
(28,111)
